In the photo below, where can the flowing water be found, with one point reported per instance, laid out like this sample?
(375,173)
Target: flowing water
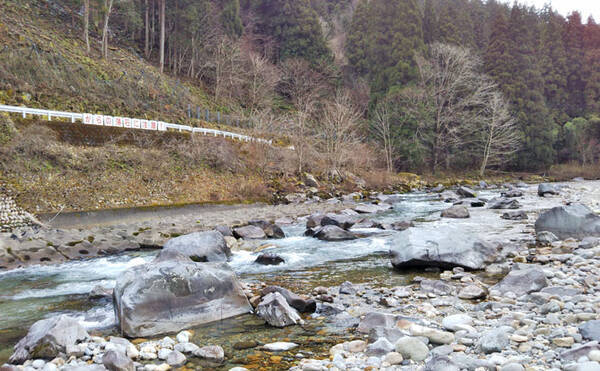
(36,292)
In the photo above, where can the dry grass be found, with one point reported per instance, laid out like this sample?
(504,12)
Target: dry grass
(572,170)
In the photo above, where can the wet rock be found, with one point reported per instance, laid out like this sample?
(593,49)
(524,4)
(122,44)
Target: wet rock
(302,305)
(466,192)
(547,189)
(48,338)
(515,215)
(575,220)
(342,221)
(249,232)
(100,292)
(456,212)
(269,259)
(522,281)
(402,225)
(275,310)
(207,246)
(477,203)
(145,295)
(176,359)
(117,361)
(333,233)
(271,230)
(212,353)
(279,346)
(495,340)
(314,220)
(371,208)
(504,203)
(412,348)
(444,249)
(590,330)
(512,193)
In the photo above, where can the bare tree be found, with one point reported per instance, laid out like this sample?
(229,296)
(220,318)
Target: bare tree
(86,24)
(146,29)
(381,126)
(226,68)
(338,130)
(108,4)
(162,17)
(262,77)
(304,87)
(499,137)
(455,92)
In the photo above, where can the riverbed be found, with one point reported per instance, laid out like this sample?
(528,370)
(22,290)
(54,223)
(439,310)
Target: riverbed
(35,292)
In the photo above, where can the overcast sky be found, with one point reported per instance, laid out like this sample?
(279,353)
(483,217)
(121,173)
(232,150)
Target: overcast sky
(564,7)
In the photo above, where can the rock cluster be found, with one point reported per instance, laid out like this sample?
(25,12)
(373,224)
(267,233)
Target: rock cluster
(11,216)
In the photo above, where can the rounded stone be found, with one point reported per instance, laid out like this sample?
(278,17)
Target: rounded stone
(412,348)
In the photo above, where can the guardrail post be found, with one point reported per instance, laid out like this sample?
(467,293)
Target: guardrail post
(189,111)
(198,112)
(49,117)
(218,117)
(207,115)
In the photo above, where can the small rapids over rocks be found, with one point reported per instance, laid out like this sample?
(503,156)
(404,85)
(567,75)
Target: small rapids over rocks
(82,288)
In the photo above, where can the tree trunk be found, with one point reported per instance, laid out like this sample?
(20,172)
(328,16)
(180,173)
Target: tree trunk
(147,30)
(86,24)
(109,4)
(162,35)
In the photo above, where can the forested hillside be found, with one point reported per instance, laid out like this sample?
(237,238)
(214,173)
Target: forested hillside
(419,85)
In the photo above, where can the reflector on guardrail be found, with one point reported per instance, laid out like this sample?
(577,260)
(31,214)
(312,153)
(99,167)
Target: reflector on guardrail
(98,120)
(88,118)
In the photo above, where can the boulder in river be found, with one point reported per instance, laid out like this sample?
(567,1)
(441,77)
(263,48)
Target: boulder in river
(342,221)
(269,259)
(456,212)
(575,220)
(504,203)
(276,311)
(547,189)
(521,280)
(48,337)
(515,215)
(334,233)
(466,192)
(512,193)
(402,225)
(117,361)
(295,301)
(169,295)
(250,232)
(271,230)
(441,248)
(207,246)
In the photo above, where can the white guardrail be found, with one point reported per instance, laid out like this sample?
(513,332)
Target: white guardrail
(126,122)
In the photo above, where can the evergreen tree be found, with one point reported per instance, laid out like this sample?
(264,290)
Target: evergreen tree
(573,39)
(386,50)
(447,24)
(295,26)
(230,18)
(430,23)
(592,66)
(497,55)
(554,64)
(525,90)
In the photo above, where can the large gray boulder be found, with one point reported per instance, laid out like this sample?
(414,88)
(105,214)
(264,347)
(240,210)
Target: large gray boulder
(441,248)
(277,312)
(456,212)
(334,233)
(575,220)
(466,192)
(590,330)
(169,295)
(521,281)
(271,230)
(48,337)
(504,203)
(250,232)
(547,189)
(342,221)
(200,247)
